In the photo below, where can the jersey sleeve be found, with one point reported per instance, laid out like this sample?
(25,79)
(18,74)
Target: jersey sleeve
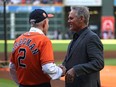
(12,56)
(46,55)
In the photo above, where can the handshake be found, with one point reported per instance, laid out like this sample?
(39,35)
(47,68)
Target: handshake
(63,69)
(69,75)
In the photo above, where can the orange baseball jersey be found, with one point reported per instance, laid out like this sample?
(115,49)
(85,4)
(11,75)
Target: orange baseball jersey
(31,50)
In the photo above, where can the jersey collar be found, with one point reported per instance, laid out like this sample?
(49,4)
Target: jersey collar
(33,29)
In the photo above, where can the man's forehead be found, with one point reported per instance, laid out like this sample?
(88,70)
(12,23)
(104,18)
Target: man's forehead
(72,12)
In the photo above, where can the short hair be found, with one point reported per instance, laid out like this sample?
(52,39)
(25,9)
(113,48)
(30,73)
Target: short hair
(37,24)
(82,11)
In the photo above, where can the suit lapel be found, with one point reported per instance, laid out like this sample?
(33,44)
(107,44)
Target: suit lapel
(76,43)
(68,50)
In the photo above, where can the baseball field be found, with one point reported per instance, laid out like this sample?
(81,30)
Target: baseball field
(108,74)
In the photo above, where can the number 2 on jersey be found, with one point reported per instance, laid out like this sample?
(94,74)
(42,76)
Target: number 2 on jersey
(22,57)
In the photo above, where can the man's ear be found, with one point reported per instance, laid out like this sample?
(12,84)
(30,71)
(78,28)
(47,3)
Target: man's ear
(44,23)
(81,18)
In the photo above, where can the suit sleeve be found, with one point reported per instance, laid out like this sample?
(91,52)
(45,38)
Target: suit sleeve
(95,56)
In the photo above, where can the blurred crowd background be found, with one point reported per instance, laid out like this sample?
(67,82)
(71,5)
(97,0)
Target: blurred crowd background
(33,2)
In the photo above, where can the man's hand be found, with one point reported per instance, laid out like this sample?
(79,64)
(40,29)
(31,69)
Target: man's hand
(63,69)
(70,75)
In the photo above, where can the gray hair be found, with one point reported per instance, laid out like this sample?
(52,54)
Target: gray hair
(37,24)
(82,11)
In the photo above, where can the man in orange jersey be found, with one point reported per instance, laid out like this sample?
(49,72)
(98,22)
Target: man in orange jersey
(32,61)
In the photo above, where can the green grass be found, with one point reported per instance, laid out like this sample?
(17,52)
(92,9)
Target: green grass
(107,61)
(109,47)
(110,61)
(60,47)
(9,47)
(7,83)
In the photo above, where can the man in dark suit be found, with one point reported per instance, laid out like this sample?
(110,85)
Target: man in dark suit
(84,58)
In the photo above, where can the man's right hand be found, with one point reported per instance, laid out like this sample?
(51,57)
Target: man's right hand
(63,69)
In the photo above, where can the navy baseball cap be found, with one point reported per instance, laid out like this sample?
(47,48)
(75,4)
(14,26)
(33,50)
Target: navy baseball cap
(38,15)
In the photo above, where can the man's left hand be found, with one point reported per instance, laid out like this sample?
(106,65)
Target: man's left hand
(70,75)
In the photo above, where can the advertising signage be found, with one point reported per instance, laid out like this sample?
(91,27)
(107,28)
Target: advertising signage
(107,27)
(114,2)
(83,2)
(49,9)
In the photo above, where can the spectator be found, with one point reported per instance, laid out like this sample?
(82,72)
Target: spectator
(45,1)
(57,1)
(23,2)
(15,1)
(36,2)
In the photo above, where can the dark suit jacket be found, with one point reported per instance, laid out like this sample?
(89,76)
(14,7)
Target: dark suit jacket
(86,57)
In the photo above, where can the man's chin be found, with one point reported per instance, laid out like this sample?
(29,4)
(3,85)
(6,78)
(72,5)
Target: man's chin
(71,29)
